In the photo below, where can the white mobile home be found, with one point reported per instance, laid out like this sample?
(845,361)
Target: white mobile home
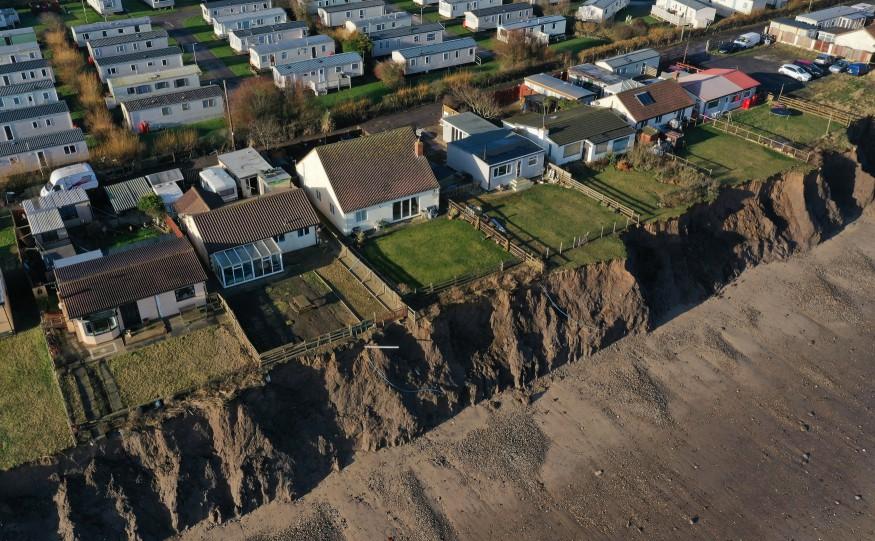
(159,4)
(320,74)
(848,17)
(16,36)
(141,85)
(362,183)
(632,64)
(26,72)
(242,21)
(20,52)
(493,17)
(600,11)
(264,57)
(36,120)
(127,43)
(84,32)
(390,21)
(42,152)
(338,15)
(725,8)
(223,8)
(9,17)
(426,2)
(685,13)
(384,43)
(174,109)
(242,40)
(495,158)
(454,52)
(142,62)
(457,8)
(542,29)
(27,94)
(312,6)
(107,7)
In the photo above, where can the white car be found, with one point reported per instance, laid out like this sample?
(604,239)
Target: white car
(795,72)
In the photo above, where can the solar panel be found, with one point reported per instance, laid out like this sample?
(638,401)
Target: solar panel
(645,98)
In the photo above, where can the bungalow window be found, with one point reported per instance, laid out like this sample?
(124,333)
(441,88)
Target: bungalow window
(184,293)
(186,106)
(166,111)
(179,83)
(572,149)
(70,149)
(303,232)
(111,71)
(209,103)
(533,160)
(405,208)
(318,195)
(100,323)
(120,49)
(161,85)
(143,89)
(429,37)
(736,98)
(331,207)
(712,104)
(280,238)
(620,145)
(501,170)
(361,215)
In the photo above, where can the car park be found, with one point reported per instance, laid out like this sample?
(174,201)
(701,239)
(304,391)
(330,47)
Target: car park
(728,47)
(812,68)
(858,68)
(795,72)
(825,60)
(839,66)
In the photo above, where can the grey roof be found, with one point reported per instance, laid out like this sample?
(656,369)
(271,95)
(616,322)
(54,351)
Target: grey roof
(693,4)
(406,31)
(599,3)
(24,66)
(268,29)
(52,108)
(224,3)
(351,7)
(162,100)
(630,58)
(536,21)
(126,195)
(327,62)
(127,38)
(595,74)
(469,123)
(833,13)
(22,88)
(449,45)
(262,48)
(559,86)
(103,25)
(66,137)
(499,146)
(55,200)
(787,21)
(594,124)
(45,221)
(503,8)
(244,163)
(222,19)
(139,55)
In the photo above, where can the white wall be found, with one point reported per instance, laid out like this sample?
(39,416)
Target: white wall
(352,13)
(106,7)
(482,173)
(244,7)
(28,99)
(20,52)
(31,127)
(385,47)
(161,42)
(56,156)
(241,45)
(155,87)
(294,241)
(197,112)
(488,22)
(27,76)
(435,61)
(82,37)
(458,9)
(149,65)
(295,52)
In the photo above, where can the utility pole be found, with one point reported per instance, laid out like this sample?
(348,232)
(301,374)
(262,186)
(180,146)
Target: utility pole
(194,51)
(230,122)
(84,11)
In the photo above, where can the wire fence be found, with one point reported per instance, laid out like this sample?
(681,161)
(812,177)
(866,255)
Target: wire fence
(732,128)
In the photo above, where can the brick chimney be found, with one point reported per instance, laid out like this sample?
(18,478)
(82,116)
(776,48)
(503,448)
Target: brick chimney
(419,148)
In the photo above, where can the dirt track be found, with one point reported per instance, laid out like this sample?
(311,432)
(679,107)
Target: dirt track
(747,417)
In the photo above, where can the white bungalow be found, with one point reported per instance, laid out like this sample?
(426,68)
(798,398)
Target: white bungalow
(150,61)
(600,11)
(542,29)
(495,16)
(454,52)
(689,13)
(223,8)
(264,57)
(390,21)
(320,74)
(495,158)
(632,64)
(338,15)
(451,9)
(242,40)
(104,29)
(27,94)
(242,21)
(384,43)
(37,120)
(726,8)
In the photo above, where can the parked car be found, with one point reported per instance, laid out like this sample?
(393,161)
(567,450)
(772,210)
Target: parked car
(728,47)
(748,40)
(839,66)
(825,60)
(858,68)
(78,175)
(795,72)
(812,68)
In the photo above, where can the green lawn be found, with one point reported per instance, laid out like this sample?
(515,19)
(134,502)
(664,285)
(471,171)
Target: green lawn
(548,217)
(202,31)
(855,94)
(433,251)
(178,364)
(802,128)
(237,63)
(373,90)
(126,238)
(637,190)
(733,159)
(33,421)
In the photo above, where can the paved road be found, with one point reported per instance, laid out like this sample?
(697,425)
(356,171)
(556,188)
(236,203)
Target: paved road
(214,70)
(762,64)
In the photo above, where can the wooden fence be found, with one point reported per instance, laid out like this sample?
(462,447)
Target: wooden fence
(435,288)
(832,114)
(727,126)
(691,165)
(480,224)
(564,178)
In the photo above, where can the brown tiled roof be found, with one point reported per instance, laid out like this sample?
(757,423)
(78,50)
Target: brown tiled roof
(123,277)
(196,201)
(668,96)
(255,219)
(376,168)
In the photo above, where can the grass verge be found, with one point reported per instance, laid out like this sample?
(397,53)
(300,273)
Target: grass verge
(801,128)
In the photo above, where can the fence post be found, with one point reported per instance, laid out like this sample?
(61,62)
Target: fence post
(615,226)
(560,247)
(603,232)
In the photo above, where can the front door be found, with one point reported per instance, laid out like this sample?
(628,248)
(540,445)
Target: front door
(41,156)
(7,130)
(130,315)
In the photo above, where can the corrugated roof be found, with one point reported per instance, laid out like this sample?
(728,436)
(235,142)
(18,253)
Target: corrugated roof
(596,74)
(537,21)
(449,45)
(255,219)
(45,221)
(66,137)
(376,168)
(125,196)
(351,7)
(503,8)
(314,63)
(55,200)
(288,44)
(268,29)
(499,146)
(667,96)
(126,38)
(630,58)
(162,100)
(103,25)
(52,108)
(38,63)
(406,31)
(22,88)
(128,276)
(593,124)
(139,55)
(571,91)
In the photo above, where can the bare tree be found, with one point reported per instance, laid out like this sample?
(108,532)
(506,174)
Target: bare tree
(265,132)
(479,101)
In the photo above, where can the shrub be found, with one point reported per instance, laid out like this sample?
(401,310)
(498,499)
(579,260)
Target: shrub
(152,205)
(351,112)
(391,73)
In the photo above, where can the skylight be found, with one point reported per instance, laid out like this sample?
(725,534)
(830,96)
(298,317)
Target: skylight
(645,98)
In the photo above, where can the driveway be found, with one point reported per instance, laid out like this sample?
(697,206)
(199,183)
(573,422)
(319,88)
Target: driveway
(762,64)
(214,70)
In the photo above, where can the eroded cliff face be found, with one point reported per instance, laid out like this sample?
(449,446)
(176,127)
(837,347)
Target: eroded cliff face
(218,458)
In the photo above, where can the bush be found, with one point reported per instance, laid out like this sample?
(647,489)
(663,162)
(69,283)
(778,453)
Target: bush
(347,113)
(391,73)
(152,205)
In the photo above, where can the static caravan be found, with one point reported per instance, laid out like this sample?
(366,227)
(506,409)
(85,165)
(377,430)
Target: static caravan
(9,18)
(159,4)
(338,15)
(141,85)
(542,29)
(455,52)
(384,43)
(264,57)
(6,323)
(107,7)
(242,40)
(632,64)
(242,21)
(84,32)
(312,6)
(174,109)
(493,17)
(457,8)
(547,85)
(26,72)
(684,13)
(42,152)
(600,11)
(20,52)
(36,120)
(426,2)
(223,8)
(27,94)
(390,21)
(16,36)
(320,74)
(142,62)
(128,43)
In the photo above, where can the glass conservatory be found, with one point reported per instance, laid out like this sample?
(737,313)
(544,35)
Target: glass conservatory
(248,262)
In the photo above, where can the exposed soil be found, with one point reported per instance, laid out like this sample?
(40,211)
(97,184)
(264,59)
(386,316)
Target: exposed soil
(697,426)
